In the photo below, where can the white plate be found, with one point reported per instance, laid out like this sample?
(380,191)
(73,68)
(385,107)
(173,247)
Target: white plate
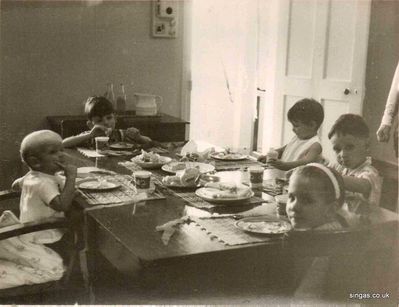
(89,171)
(180,186)
(204,194)
(121,145)
(95,185)
(203,167)
(223,157)
(266,225)
(151,165)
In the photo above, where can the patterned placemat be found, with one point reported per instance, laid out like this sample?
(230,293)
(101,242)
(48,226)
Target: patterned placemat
(195,201)
(123,194)
(235,165)
(157,173)
(91,153)
(188,196)
(224,230)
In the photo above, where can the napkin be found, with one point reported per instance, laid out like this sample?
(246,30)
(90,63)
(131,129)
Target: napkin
(184,178)
(201,148)
(170,227)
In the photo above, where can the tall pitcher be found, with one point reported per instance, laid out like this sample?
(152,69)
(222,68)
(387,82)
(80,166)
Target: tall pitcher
(147,104)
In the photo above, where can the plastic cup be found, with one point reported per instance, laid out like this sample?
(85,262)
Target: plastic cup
(281,201)
(256,176)
(101,143)
(142,179)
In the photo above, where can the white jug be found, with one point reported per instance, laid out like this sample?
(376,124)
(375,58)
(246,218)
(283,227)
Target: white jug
(147,104)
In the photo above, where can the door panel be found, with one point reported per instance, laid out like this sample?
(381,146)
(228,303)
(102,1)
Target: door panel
(321,51)
(301,30)
(332,110)
(340,39)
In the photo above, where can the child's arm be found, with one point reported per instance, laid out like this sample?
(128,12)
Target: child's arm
(133,134)
(63,201)
(355,184)
(76,140)
(310,156)
(263,158)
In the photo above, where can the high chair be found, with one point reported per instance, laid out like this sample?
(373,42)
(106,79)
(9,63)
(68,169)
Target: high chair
(9,200)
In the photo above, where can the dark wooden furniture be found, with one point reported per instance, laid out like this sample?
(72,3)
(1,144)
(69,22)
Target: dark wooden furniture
(125,236)
(163,128)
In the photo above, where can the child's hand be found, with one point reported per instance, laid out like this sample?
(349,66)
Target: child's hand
(98,130)
(262,159)
(70,170)
(132,133)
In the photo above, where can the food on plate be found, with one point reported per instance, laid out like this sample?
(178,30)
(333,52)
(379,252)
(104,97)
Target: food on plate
(186,178)
(272,227)
(193,157)
(222,186)
(174,167)
(177,167)
(219,190)
(227,155)
(148,157)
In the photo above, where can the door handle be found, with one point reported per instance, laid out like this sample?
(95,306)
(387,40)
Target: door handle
(347,91)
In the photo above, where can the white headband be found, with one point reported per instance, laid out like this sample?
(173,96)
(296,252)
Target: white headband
(330,175)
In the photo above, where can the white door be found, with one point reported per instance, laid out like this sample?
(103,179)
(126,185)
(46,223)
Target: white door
(321,51)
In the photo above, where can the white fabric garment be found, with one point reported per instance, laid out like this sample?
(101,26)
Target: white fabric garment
(37,191)
(26,263)
(365,171)
(296,148)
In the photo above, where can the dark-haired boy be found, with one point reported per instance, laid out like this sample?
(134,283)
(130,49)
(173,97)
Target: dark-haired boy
(350,139)
(306,116)
(101,122)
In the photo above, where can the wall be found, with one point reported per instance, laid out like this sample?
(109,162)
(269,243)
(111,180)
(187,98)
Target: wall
(383,56)
(56,54)
(224,54)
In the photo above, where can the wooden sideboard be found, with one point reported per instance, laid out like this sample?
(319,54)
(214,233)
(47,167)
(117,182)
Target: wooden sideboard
(163,128)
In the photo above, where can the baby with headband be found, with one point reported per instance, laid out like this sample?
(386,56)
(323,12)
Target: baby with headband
(315,194)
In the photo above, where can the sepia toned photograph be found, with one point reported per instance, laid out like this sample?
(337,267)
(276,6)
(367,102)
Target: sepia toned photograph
(199,152)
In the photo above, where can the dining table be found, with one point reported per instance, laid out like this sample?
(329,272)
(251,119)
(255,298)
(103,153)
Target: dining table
(206,249)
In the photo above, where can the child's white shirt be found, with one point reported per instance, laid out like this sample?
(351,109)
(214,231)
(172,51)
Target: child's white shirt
(37,191)
(365,171)
(296,148)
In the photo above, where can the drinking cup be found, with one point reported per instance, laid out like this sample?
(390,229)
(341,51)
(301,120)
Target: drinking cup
(101,143)
(142,179)
(281,201)
(256,176)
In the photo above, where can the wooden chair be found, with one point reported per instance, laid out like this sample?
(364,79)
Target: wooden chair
(27,294)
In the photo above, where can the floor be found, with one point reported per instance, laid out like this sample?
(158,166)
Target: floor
(249,288)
